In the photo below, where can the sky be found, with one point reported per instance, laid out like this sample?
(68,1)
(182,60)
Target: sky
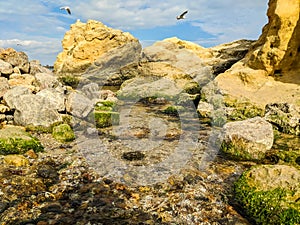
(37,27)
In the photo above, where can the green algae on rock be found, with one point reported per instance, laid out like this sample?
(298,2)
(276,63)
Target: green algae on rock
(15,140)
(106,118)
(269,194)
(104,114)
(247,140)
(63,133)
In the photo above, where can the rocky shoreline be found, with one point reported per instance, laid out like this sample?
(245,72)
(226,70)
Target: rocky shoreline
(188,135)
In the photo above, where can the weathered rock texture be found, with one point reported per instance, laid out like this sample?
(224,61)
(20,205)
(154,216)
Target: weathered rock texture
(248,139)
(270,71)
(84,43)
(278,47)
(172,67)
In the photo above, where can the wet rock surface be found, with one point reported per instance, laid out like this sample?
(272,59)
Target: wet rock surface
(59,187)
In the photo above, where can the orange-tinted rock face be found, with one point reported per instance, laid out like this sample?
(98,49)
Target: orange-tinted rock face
(85,42)
(278,47)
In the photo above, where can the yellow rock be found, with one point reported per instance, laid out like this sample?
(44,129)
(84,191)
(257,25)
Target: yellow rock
(86,42)
(16,160)
(270,71)
(277,49)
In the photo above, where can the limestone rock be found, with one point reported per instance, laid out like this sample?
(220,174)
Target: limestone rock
(285,116)
(56,98)
(31,109)
(16,59)
(3,86)
(36,67)
(169,58)
(276,53)
(11,96)
(205,109)
(47,80)
(271,189)
(26,80)
(278,47)
(36,111)
(110,68)
(84,43)
(5,67)
(143,87)
(248,139)
(79,105)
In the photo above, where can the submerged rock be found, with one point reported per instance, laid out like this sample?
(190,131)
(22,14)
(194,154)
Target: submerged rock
(63,133)
(16,160)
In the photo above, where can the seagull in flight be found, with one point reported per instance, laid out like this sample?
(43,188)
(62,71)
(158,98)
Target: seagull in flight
(67,8)
(182,15)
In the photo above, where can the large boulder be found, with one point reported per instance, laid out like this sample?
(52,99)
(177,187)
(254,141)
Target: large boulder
(176,69)
(86,42)
(277,49)
(30,109)
(116,65)
(247,140)
(269,194)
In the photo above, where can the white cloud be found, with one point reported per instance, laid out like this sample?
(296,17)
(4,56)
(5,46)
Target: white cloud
(44,24)
(44,50)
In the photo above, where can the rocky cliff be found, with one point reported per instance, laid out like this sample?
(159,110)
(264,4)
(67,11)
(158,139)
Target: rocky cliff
(270,71)
(277,49)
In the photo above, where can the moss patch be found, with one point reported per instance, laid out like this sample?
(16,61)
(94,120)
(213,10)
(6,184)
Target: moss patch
(277,205)
(242,109)
(63,133)
(238,149)
(15,140)
(69,80)
(106,118)
(173,110)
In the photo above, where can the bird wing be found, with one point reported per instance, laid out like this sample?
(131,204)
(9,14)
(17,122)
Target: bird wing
(185,12)
(68,10)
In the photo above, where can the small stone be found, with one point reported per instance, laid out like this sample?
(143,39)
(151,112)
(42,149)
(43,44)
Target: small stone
(16,160)
(134,155)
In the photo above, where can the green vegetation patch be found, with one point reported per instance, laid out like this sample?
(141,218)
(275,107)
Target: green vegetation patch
(63,133)
(242,109)
(69,80)
(279,205)
(239,149)
(104,114)
(15,140)
(106,118)
(173,110)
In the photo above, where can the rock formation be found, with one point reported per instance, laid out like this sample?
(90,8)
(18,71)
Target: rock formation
(270,71)
(277,49)
(84,43)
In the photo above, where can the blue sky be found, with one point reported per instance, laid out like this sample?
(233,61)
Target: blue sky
(38,26)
